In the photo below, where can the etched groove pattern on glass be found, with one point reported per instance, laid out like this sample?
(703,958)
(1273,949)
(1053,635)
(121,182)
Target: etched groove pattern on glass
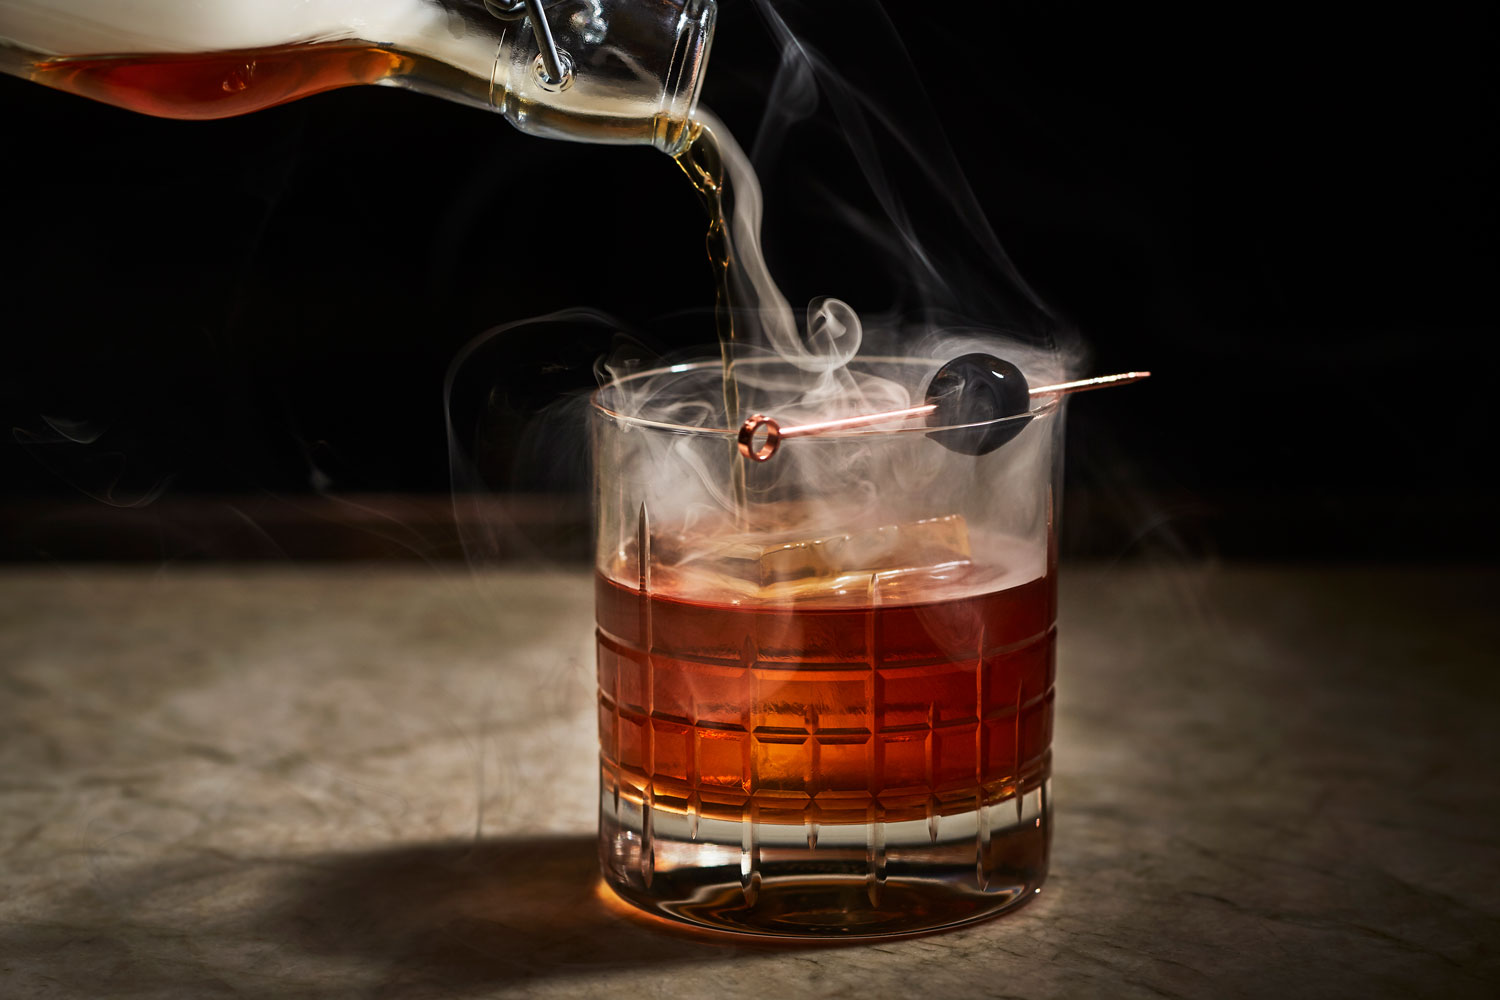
(826,716)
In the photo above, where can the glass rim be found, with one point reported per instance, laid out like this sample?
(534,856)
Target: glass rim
(1047,406)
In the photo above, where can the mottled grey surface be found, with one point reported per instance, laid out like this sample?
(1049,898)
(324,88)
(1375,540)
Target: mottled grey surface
(378,782)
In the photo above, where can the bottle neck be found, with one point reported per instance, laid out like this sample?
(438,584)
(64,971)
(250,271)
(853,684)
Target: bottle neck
(632,69)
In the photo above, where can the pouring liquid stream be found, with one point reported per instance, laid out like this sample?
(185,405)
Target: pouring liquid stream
(703,163)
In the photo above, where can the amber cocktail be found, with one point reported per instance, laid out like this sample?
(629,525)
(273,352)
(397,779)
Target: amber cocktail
(825,703)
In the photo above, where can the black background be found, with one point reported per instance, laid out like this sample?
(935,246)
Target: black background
(1288,216)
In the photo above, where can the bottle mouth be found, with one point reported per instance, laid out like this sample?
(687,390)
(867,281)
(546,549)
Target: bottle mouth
(684,81)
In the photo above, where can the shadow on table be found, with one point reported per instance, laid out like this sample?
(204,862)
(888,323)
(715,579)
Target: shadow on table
(448,919)
(479,913)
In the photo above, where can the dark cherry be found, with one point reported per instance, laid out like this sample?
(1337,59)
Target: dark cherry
(977,389)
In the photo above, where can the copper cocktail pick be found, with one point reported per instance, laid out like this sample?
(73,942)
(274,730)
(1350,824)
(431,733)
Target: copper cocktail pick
(1004,388)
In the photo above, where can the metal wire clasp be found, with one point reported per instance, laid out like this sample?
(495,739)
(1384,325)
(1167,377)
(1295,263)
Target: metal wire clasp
(556,66)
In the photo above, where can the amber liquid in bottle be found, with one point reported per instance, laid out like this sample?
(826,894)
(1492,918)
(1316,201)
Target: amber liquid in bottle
(221,84)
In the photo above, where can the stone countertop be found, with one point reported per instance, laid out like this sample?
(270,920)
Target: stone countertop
(364,781)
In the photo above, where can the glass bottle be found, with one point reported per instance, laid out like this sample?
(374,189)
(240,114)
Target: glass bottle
(624,71)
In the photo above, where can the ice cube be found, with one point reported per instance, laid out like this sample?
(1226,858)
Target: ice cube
(899,561)
(927,544)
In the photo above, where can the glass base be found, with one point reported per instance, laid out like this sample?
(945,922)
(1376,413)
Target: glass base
(846,881)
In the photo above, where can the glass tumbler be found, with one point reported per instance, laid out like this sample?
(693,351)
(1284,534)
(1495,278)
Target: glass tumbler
(825,679)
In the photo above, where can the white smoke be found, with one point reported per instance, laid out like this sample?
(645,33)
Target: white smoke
(965,298)
(817,380)
(667,466)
